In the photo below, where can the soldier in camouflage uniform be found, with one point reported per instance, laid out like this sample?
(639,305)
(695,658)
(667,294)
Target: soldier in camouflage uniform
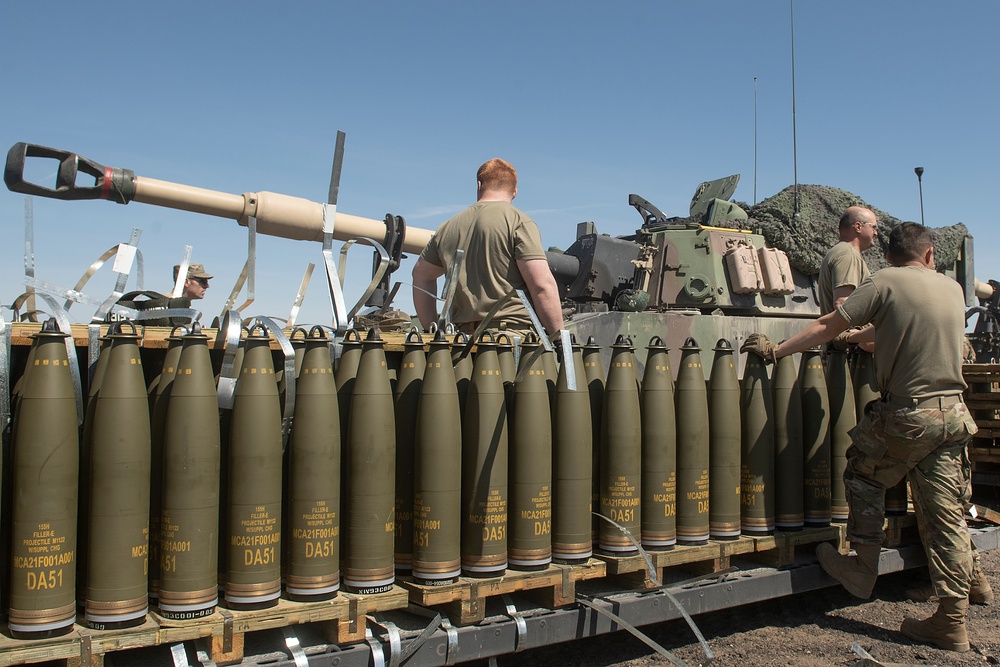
(919,429)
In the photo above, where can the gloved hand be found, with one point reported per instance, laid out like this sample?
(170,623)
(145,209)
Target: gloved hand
(840,342)
(762,346)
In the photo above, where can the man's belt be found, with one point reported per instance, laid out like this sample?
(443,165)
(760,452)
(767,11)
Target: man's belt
(926,402)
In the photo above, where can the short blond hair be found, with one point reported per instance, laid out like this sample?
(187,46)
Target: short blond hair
(497,174)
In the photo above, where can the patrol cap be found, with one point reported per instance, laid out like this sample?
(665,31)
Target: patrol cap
(195,271)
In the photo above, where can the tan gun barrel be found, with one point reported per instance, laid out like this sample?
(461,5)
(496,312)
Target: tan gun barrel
(277,215)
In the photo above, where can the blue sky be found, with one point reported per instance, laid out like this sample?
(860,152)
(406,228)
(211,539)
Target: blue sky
(591,101)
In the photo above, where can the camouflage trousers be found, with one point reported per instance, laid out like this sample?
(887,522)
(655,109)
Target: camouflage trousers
(928,447)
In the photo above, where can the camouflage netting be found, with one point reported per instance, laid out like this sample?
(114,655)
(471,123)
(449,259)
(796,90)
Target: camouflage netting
(807,239)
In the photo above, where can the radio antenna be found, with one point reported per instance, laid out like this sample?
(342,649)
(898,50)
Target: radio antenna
(795,153)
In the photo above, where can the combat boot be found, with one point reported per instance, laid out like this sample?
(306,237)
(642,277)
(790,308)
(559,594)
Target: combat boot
(944,629)
(855,573)
(980,591)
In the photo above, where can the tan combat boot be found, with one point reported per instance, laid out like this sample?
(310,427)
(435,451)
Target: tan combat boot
(945,629)
(855,573)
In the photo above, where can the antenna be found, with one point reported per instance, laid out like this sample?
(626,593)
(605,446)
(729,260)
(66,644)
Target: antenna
(755,141)
(919,171)
(795,152)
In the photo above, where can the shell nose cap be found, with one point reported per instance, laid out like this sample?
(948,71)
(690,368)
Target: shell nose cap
(690,344)
(723,345)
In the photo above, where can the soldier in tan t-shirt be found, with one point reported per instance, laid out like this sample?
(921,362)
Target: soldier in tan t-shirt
(919,429)
(843,267)
(503,251)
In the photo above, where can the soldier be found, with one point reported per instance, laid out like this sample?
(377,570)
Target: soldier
(503,250)
(843,267)
(919,429)
(196,283)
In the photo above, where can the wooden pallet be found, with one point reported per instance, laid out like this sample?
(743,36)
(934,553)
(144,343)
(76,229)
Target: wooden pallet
(343,619)
(633,571)
(464,602)
(784,547)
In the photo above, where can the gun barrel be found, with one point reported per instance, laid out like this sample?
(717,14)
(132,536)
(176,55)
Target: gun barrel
(277,215)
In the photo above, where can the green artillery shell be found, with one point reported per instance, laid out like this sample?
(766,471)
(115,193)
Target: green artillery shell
(192,460)
(865,391)
(843,418)
(529,545)
(118,544)
(621,453)
(159,397)
(484,467)
(463,369)
(787,446)
(725,445)
(43,520)
(437,471)
(369,479)
(593,367)
(312,568)
(815,439)
(692,447)
(83,494)
(253,579)
(225,437)
(757,456)
(345,373)
(411,377)
(572,471)
(659,450)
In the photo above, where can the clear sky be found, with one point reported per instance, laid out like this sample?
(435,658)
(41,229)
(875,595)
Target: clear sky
(591,101)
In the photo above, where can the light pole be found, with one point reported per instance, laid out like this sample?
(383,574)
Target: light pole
(919,171)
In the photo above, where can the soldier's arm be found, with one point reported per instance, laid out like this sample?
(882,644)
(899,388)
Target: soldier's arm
(840,294)
(425,277)
(818,332)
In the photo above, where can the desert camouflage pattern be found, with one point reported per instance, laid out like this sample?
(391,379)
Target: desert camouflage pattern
(928,446)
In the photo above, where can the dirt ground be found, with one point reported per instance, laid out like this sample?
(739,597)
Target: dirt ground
(807,630)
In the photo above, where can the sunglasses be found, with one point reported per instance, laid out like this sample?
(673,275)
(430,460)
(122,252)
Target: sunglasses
(201,281)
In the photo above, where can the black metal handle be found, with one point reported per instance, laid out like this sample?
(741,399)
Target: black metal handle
(109,183)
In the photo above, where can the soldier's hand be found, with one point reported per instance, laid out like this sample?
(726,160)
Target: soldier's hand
(840,342)
(762,346)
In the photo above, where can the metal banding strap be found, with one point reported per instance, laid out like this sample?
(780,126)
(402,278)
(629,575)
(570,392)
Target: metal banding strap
(182,272)
(289,374)
(122,275)
(383,265)
(29,248)
(638,634)
(450,287)
(247,275)
(227,630)
(378,653)
(337,303)
(295,647)
(179,655)
(522,627)
(567,345)
(645,556)
(451,656)
(203,653)
(229,331)
(414,644)
(395,643)
(533,316)
(293,314)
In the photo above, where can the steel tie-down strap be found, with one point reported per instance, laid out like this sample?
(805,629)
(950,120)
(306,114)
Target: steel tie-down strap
(232,326)
(289,374)
(414,644)
(395,642)
(203,653)
(179,655)
(522,627)
(295,647)
(638,634)
(378,653)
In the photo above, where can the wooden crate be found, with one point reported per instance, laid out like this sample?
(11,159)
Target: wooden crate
(343,620)
(633,570)
(464,602)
